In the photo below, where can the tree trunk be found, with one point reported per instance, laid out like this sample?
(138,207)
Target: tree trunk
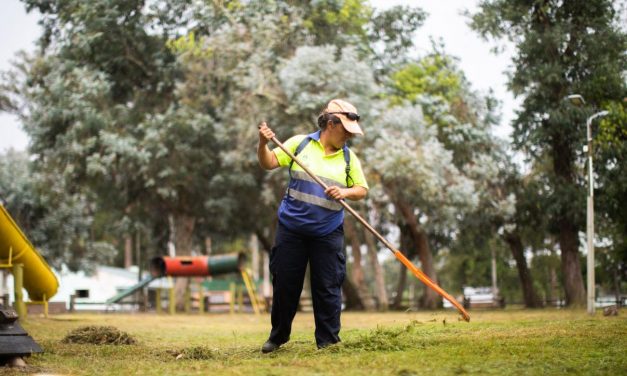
(554,296)
(616,284)
(400,287)
(357,272)
(407,243)
(142,297)
(379,279)
(429,299)
(526,281)
(128,251)
(208,246)
(351,296)
(571,267)
(266,243)
(184,229)
(254,260)
(563,157)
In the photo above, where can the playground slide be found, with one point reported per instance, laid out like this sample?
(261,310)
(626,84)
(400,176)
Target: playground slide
(131,290)
(39,280)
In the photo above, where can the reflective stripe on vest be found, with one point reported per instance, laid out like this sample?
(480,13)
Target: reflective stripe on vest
(303,187)
(315,200)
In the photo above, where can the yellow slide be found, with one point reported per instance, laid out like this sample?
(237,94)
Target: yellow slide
(39,280)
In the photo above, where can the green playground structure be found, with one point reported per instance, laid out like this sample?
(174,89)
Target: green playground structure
(193,266)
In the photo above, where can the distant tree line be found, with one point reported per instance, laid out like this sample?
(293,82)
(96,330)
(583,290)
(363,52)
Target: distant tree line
(142,124)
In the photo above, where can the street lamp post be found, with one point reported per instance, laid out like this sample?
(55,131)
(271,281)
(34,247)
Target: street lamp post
(590,213)
(578,100)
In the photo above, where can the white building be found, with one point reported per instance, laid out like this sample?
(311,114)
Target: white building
(91,291)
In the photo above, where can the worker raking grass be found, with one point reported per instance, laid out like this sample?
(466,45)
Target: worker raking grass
(310,229)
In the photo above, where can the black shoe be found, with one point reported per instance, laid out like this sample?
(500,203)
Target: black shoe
(269,347)
(325,345)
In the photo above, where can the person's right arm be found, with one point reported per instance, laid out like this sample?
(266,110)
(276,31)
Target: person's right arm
(267,159)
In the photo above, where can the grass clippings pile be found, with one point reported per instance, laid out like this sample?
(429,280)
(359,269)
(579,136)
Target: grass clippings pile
(381,339)
(194,353)
(99,335)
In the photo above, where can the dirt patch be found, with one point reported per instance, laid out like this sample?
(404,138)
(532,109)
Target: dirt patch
(99,335)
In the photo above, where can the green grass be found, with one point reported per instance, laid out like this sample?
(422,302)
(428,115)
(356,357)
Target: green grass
(415,343)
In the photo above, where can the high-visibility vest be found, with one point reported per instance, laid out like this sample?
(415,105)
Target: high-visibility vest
(305,207)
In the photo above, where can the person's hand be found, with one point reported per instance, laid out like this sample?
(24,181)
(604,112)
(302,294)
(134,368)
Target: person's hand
(265,133)
(335,192)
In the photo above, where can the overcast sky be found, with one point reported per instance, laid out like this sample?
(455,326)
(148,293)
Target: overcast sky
(485,71)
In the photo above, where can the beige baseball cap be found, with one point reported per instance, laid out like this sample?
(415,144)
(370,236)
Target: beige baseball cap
(347,113)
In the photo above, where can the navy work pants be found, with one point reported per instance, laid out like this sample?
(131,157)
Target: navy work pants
(288,262)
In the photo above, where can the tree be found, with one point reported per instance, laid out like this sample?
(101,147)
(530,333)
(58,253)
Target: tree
(418,175)
(561,48)
(57,223)
(525,224)
(610,147)
(148,113)
(5,101)
(97,75)
(459,122)
(391,35)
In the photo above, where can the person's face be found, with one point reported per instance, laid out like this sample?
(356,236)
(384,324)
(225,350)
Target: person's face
(339,134)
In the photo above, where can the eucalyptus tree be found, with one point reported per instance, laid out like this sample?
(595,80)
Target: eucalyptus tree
(460,122)
(611,189)
(418,175)
(385,36)
(16,188)
(5,101)
(97,74)
(465,120)
(252,70)
(230,65)
(57,223)
(149,110)
(562,47)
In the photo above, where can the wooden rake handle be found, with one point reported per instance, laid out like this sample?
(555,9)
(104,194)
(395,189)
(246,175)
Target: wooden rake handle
(399,255)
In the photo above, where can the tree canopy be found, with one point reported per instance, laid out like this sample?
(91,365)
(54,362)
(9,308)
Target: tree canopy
(142,122)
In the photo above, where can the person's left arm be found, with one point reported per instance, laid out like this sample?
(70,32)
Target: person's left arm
(353,193)
(358,191)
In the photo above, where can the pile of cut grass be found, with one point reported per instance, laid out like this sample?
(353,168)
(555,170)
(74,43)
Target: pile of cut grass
(193,353)
(99,335)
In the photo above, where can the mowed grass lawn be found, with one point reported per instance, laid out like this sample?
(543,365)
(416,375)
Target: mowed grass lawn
(399,343)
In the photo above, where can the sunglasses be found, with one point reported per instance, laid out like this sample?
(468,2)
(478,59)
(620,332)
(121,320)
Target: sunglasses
(350,115)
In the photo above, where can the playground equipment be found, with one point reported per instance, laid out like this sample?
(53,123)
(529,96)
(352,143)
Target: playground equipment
(30,271)
(192,266)
(196,266)
(15,343)
(140,285)
(29,268)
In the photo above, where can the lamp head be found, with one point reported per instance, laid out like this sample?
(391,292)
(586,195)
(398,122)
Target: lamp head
(576,99)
